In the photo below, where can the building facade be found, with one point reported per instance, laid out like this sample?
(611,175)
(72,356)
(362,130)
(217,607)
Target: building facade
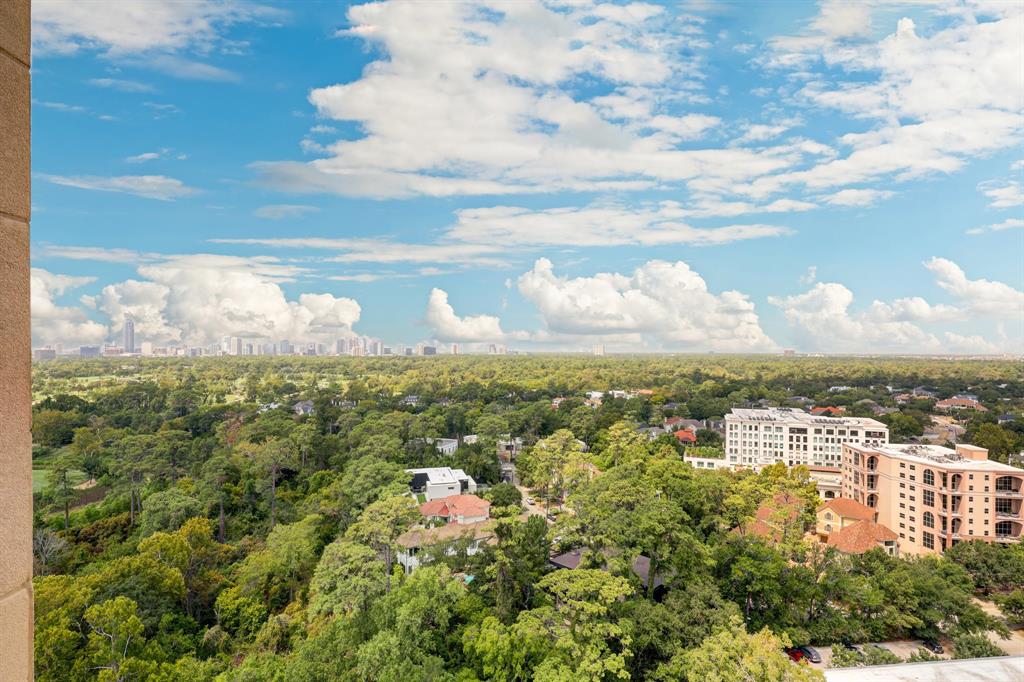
(128,342)
(935,497)
(438,482)
(828,480)
(760,437)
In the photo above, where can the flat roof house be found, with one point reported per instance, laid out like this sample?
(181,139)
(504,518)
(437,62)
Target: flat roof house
(439,482)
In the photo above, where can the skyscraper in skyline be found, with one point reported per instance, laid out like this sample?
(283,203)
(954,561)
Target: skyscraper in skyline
(128,340)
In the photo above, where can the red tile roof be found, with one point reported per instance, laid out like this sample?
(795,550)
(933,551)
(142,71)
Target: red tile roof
(961,402)
(456,505)
(783,508)
(860,537)
(849,509)
(686,436)
(828,409)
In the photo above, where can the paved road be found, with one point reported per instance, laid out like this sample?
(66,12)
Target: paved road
(532,509)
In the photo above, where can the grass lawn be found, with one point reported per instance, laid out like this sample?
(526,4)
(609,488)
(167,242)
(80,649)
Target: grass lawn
(40,477)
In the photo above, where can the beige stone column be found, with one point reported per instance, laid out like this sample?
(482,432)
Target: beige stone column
(15,345)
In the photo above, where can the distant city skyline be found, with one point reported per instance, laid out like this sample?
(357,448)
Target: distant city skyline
(245,346)
(669,177)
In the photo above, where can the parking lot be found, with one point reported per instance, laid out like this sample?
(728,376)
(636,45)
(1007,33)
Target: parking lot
(905,647)
(901,647)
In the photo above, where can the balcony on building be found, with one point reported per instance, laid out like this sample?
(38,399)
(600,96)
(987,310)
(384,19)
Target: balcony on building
(1008,531)
(1008,507)
(1009,486)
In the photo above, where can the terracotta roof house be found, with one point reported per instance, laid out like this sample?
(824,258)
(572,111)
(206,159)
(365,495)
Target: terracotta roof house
(828,411)
(458,509)
(863,536)
(773,517)
(960,404)
(685,436)
(840,512)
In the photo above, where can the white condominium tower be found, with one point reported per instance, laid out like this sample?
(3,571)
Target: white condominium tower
(756,438)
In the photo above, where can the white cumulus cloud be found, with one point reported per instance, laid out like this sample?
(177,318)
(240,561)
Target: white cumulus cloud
(1003,194)
(136,26)
(665,303)
(477,98)
(447,326)
(194,299)
(53,323)
(824,315)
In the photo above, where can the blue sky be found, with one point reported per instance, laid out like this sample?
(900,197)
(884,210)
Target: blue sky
(708,176)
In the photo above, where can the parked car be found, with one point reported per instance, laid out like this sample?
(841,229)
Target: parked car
(530,501)
(933,646)
(796,654)
(811,654)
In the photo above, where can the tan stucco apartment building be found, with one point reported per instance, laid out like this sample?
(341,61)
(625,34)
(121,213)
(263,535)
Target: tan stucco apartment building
(934,497)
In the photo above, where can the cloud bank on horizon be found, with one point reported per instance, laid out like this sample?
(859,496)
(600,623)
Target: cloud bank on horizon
(841,178)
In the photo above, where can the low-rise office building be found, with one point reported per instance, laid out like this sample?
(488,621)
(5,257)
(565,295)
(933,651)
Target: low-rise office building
(760,437)
(935,497)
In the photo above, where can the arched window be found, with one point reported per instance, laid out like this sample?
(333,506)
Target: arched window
(872,500)
(872,462)
(928,520)
(928,477)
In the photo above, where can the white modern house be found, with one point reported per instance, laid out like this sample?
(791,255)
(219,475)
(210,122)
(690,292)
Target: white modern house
(438,482)
(446,446)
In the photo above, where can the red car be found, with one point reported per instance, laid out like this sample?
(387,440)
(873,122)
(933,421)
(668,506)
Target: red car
(796,654)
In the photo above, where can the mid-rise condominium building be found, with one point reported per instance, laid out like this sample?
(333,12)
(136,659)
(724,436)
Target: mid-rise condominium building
(759,437)
(934,497)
